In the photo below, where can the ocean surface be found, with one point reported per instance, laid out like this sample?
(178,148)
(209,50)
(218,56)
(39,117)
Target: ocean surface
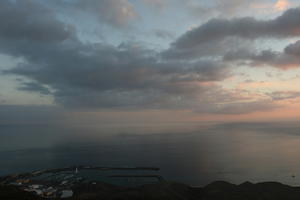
(193,153)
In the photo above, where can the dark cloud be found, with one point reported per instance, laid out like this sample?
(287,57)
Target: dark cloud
(103,76)
(35,87)
(30,20)
(289,58)
(215,48)
(107,76)
(293,49)
(216,31)
(246,54)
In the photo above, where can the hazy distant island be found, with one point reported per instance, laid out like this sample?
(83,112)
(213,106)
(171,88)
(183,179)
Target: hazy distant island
(80,183)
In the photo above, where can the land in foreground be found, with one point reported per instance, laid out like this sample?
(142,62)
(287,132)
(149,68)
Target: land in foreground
(130,183)
(168,191)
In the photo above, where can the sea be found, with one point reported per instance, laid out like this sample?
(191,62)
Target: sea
(192,153)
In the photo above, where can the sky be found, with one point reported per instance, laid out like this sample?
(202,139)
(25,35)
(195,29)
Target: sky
(149,61)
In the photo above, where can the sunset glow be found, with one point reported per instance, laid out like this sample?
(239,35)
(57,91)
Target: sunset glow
(282,5)
(216,60)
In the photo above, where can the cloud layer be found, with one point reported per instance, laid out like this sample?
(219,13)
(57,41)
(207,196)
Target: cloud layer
(289,58)
(217,31)
(131,75)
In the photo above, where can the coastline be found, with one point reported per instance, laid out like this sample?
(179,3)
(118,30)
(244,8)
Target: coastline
(218,190)
(69,183)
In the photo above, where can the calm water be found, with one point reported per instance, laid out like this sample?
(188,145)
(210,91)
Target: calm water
(195,154)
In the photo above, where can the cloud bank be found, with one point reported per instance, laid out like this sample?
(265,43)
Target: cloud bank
(84,75)
(216,31)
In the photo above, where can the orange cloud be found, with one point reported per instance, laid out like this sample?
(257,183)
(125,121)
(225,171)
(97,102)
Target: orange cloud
(281,5)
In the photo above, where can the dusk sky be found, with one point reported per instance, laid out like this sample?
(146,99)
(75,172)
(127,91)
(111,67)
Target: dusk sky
(149,60)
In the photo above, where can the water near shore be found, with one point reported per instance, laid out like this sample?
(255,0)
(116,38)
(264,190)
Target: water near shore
(195,154)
